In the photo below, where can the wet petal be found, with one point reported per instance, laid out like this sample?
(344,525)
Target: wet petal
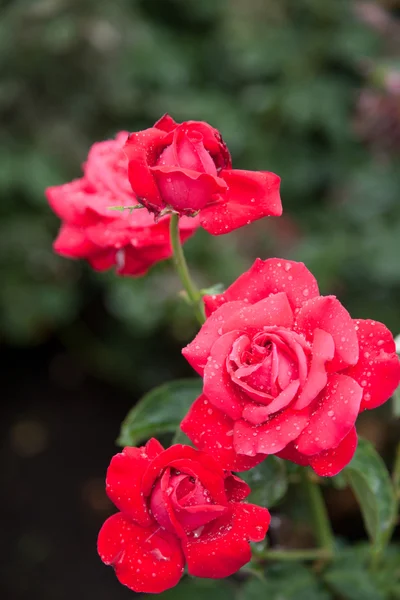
(334,417)
(331,462)
(197,352)
(267,277)
(218,386)
(124,480)
(378,368)
(271,437)
(250,195)
(212,431)
(148,560)
(222,547)
(326,312)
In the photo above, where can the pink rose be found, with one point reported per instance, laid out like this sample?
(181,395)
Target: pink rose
(187,168)
(106,238)
(286,371)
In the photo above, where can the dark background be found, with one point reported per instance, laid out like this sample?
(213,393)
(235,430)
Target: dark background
(309,89)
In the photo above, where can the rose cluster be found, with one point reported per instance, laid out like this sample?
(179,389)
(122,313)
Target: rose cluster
(285,370)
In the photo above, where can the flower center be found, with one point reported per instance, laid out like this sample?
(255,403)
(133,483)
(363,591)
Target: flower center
(179,500)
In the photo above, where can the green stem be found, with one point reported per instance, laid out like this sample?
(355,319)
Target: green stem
(191,290)
(322,526)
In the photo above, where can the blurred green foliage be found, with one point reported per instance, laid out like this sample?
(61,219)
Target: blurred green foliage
(282,82)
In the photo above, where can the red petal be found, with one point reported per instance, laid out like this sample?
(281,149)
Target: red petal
(66,200)
(251,195)
(223,546)
(73,242)
(212,431)
(218,386)
(331,462)
(290,453)
(274,310)
(326,312)
(197,352)
(186,190)
(338,408)
(124,480)
(166,123)
(267,277)
(323,349)
(256,414)
(271,437)
(103,260)
(236,489)
(148,560)
(378,368)
(142,149)
(191,461)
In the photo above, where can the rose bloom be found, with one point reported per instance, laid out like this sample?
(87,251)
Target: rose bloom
(106,238)
(187,168)
(177,506)
(286,371)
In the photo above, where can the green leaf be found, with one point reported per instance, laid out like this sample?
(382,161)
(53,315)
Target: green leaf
(284,582)
(199,589)
(159,411)
(372,486)
(352,583)
(268,481)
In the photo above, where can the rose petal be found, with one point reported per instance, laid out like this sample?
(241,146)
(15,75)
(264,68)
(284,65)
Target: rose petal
(188,152)
(222,547)
(68,201)
(147,560)
(236,489)
(124,480)
(212,431)
(103,260)
(331,462)
(271,437)
(290,453)
(218,386)
(188,460)
(267,277)
(186,190)
(250,195)
(326,312)
(73,242)
(274,310)
(256,414)
(336,413)
(197,352)
(166,123)
(378,368)
(142,149)
(323,349)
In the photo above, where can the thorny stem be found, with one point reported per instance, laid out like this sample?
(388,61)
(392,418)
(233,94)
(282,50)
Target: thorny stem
(322,526)
(191,290)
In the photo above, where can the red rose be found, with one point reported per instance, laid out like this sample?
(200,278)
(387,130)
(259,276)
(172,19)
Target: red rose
(177,505)
(286,371)
(187,167)
(106,238)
